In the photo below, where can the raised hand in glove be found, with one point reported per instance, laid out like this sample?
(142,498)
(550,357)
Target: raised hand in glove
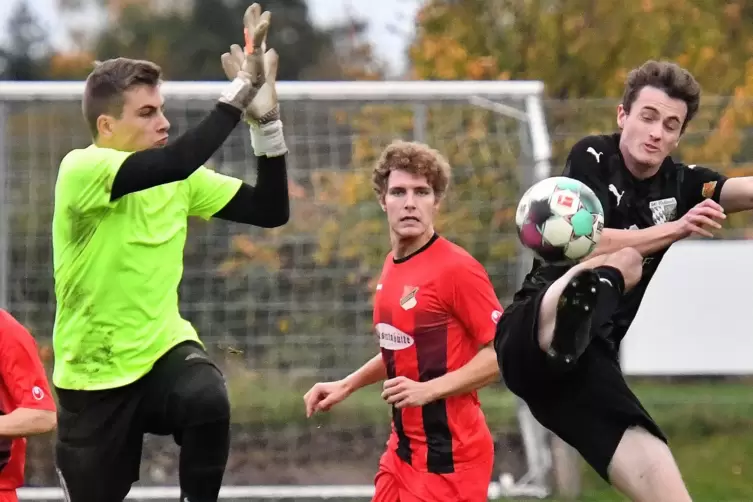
(263,111)
(248,76)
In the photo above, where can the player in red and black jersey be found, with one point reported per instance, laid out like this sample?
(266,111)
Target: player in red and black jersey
(435,313)
(26,404)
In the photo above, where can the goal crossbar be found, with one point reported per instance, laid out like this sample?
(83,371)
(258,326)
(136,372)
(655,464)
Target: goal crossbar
(306,90)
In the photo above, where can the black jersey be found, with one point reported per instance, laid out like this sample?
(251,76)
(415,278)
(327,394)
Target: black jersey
(630,203)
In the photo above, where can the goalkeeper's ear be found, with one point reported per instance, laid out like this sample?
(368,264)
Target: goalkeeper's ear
(271,63)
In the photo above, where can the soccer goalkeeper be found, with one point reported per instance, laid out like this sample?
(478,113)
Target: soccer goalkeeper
(126,363)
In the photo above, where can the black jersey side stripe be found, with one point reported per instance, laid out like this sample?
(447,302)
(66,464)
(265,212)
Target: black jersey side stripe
(403,442)
(431,351)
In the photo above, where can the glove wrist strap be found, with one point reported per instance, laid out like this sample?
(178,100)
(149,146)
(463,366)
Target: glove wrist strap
(268,139)
(236,93)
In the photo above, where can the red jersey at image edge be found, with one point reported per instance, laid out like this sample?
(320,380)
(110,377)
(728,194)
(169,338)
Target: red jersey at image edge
(433,310)
(23,384)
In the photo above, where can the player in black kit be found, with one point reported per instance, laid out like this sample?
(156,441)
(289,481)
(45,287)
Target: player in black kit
(557,343)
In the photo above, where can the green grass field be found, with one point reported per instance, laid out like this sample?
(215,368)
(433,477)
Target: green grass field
(710,426)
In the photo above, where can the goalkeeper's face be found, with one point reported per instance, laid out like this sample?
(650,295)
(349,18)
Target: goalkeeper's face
(410,204)
(142,123)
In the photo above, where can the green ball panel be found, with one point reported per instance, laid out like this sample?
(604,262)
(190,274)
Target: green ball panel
(582,222)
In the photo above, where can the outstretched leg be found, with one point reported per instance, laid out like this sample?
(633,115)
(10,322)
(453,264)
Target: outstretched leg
(644,469)
(585,296)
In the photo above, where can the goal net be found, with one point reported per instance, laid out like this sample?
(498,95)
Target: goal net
(280,309)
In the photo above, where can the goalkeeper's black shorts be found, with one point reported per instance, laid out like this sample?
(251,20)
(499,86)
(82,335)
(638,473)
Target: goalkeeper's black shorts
(100,433)
(590,407)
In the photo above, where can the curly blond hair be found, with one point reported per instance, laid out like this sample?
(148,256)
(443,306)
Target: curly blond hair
(414,158)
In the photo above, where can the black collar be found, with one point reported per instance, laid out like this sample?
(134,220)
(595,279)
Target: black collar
(420,250)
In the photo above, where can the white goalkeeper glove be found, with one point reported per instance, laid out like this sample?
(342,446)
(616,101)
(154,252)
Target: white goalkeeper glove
(248,75)
(263,110)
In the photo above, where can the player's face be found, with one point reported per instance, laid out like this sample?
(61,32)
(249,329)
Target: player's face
(142,124)
(410,204)
(652,129)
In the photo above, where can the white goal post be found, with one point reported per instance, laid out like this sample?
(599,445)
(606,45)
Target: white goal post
(512,100)
(248,493)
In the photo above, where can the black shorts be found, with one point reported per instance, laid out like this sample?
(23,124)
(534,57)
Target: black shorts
(590,407)
(100,433)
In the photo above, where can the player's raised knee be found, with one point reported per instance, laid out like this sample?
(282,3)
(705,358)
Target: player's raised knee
(630,264)
(203,397)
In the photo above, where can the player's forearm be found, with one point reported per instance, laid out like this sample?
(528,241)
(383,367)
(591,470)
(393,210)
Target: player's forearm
(265,205)
(370,373)
(480,371)
(178,160)
(646,241)
(23,422)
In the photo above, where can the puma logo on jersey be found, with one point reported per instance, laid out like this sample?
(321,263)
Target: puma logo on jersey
(596,154)
(617,195)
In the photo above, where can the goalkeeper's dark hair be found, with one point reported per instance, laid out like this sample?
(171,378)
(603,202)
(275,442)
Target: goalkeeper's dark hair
(671,78)
(110,79)
(414,158)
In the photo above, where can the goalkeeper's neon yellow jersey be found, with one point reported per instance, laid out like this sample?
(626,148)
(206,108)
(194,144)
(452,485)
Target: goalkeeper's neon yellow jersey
(117,267)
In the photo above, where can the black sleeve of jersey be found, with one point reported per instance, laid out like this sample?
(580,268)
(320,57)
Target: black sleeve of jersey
(178,160)
(699,183)
(587,163)
(265,205)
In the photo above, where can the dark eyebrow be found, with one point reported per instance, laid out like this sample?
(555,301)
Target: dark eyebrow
(420,187)
(151,107)
(653,109)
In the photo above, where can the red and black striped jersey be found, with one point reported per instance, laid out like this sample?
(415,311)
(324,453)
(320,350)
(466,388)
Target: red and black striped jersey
(23,384)
(433,310)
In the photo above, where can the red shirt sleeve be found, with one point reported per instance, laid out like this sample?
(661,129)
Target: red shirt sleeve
(21,370)
(472,299)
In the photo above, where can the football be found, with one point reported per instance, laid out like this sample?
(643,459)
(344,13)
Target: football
(560,219)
